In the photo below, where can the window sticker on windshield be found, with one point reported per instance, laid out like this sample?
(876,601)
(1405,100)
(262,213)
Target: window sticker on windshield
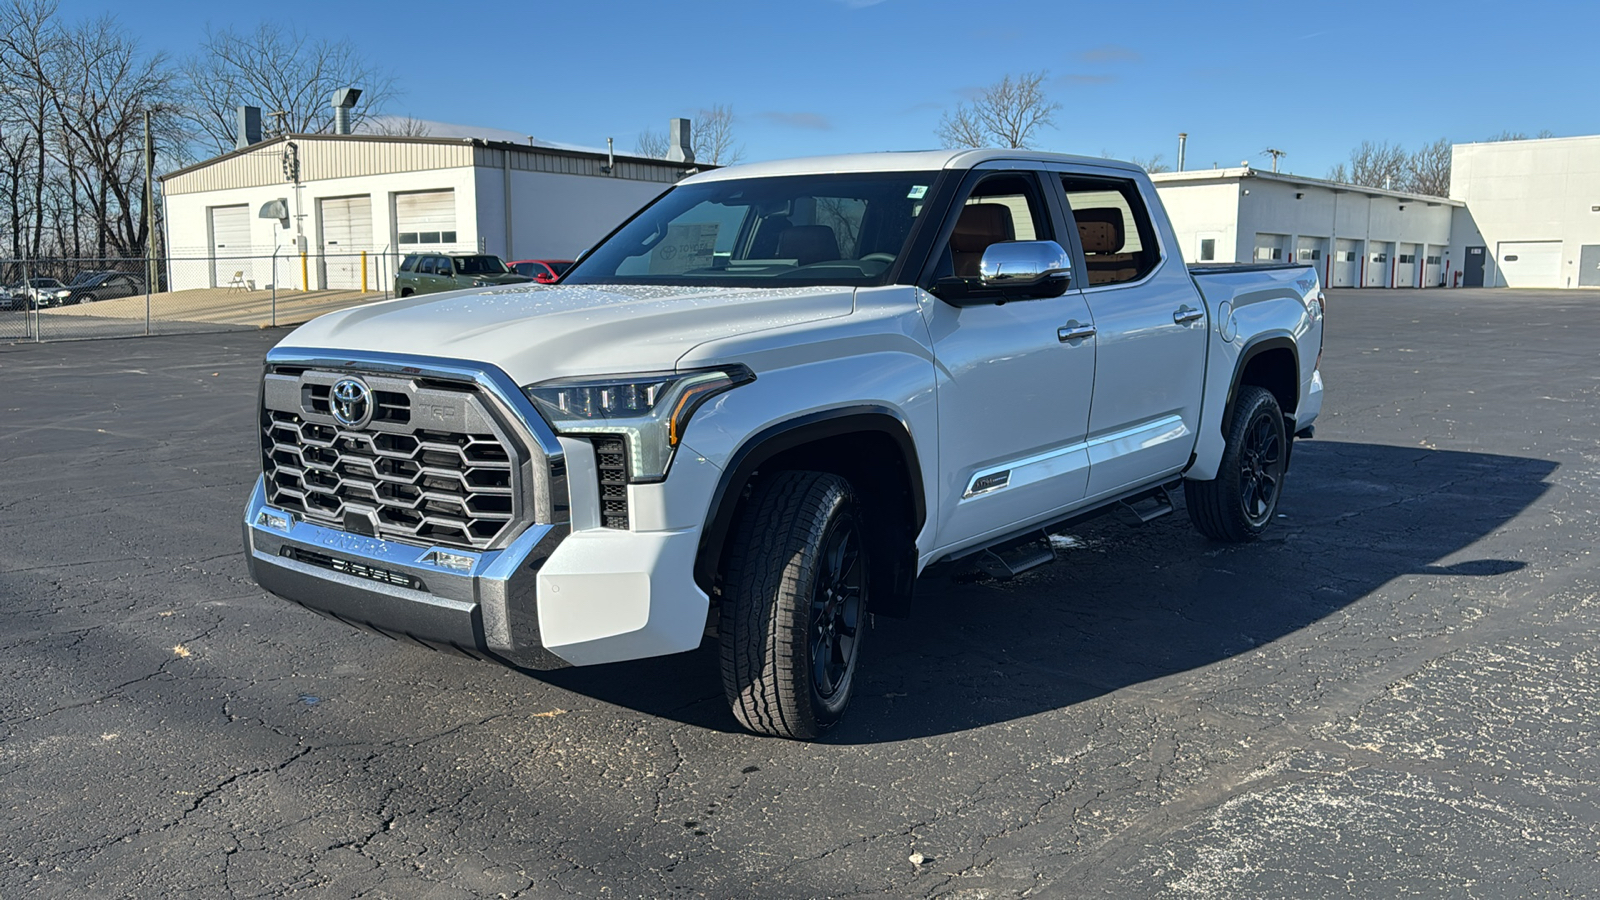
(685,247)
(918,191)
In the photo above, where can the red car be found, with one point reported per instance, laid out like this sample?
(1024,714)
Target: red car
(544,271)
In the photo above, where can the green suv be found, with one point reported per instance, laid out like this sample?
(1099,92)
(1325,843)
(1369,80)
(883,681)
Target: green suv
(427,273)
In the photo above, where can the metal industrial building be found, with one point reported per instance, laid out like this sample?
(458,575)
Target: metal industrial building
(355,202)
(1531,215)
(1355,236)
(1522,213)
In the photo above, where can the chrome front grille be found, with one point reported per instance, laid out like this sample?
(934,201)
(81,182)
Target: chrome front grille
(434,465)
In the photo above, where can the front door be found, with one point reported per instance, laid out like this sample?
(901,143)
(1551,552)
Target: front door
(1151,357)
(1472,267)
(1015,379)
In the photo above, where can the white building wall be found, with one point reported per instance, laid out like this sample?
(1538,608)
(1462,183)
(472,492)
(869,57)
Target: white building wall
(1522,191)
(189,240)
(1206,211)
(1257,209)
(555,216)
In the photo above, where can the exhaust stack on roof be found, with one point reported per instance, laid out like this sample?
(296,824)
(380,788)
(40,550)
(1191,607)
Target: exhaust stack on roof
(343,100)
(680,145)
(248,131)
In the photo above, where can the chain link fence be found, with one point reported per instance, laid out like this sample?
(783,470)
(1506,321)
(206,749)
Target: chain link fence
(76,299)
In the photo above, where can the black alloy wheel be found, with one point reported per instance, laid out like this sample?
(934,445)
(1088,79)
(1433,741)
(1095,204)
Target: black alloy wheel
(1261,466)
(836,607)
(1242,500)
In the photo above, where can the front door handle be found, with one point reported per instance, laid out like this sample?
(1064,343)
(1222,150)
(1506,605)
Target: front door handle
(1072,331)
(1186,314)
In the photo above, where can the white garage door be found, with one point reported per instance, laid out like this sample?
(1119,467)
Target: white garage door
(230,243)
(1405,266)
(346,232)
(1346,263)
(1269,247)
(1529,263)
(425,220)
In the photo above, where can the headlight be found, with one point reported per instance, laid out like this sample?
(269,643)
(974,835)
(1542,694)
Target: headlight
(61,295)
(649,410)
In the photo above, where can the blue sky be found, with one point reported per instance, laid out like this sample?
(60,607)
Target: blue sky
(831,76)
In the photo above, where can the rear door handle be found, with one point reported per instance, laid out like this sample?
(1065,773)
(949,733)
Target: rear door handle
(1072,331)
(1186,314)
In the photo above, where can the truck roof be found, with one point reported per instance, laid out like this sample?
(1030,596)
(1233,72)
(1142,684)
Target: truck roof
(896,161)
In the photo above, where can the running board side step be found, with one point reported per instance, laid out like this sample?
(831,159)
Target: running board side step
(1150,507)
(1011,559)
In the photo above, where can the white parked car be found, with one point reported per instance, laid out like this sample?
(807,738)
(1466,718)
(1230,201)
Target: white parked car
(765,405)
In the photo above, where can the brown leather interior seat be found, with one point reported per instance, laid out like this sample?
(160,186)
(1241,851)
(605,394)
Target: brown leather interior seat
(980,225)
(1101,231)
(808,244)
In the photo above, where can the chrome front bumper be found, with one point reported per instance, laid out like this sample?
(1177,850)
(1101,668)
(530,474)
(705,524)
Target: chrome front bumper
(482,603)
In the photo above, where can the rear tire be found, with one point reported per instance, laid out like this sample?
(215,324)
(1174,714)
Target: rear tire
(793,608)
(1241,501)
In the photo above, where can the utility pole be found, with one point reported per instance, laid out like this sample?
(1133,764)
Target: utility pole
(149,208)
(1274,154)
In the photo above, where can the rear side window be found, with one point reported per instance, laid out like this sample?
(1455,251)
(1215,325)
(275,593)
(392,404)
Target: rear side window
(1119,242)
(409,263)
(425,266)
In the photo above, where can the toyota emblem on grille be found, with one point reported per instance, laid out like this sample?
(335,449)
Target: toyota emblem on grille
(351,403)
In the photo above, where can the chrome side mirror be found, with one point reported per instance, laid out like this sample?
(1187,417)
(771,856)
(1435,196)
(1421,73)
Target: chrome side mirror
(1022,266)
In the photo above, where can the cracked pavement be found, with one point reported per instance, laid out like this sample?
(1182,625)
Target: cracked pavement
(1387,695)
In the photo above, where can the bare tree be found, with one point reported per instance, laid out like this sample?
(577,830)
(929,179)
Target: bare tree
(713,137)
(1516,136)
(286,73)
(652,144)
(1005,114)
(1428,169)
(108,88)
(397,126)
(28,40)
(710,135)
(1152,164)
(1381,165)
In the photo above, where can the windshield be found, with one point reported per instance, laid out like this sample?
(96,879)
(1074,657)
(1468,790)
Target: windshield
(560,267)
(480,265)
(761,232)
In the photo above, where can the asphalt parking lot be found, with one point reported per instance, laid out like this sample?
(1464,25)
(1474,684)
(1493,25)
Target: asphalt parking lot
(1390,695)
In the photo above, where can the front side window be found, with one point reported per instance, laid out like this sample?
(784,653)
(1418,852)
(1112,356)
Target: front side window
(1001,208)
(797,230)
(1119,241)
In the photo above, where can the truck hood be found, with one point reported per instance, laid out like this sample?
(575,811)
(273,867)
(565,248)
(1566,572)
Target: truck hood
(535,332)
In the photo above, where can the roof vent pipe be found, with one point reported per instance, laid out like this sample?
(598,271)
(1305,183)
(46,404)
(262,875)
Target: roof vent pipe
(680,145)
(1183,140)
(248,131)
(344,99)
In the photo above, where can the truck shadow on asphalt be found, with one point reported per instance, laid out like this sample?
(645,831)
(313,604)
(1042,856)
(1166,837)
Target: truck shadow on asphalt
(1124,605)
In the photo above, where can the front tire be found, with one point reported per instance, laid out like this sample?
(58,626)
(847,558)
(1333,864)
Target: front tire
(793,608)
(1241,501)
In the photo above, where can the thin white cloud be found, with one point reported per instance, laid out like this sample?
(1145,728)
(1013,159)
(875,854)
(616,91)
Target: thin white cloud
(1081,79)
(814,121)
(1110,53)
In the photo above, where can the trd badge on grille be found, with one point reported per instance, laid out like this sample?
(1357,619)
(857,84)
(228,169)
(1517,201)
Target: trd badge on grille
(351,403)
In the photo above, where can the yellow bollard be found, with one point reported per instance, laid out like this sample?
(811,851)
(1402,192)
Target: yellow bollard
(305,273)
(363,271)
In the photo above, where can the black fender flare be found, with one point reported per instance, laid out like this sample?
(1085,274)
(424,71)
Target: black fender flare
(1253,348)
(773,440)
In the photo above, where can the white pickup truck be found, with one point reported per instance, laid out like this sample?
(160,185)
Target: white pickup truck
(765,405)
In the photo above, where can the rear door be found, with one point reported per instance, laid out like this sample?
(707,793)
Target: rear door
(1151,324)
(1015,379)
